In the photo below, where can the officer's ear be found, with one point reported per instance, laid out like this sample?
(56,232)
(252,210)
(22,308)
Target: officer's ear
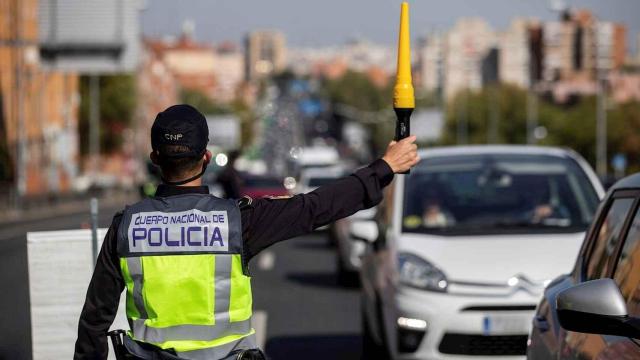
(154,158)
(207,156)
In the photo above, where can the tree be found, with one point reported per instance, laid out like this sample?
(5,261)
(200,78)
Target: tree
(355,89)
(118,100)
(247,121)
(476,110)
(571,125)
(624,133)
(203,103)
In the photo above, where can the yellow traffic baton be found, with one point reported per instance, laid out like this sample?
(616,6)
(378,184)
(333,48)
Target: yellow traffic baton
(403,97)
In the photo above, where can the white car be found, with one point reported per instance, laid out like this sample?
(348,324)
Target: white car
(349,251)
(314,177)
(464,246)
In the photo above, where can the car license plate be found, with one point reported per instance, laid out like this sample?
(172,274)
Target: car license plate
(506,324)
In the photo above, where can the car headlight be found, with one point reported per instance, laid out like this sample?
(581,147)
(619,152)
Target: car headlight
(417,272)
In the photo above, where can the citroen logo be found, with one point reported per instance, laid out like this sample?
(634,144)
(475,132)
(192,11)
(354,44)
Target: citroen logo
(521,282)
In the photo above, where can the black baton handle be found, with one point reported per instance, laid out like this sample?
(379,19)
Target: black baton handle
(403,125)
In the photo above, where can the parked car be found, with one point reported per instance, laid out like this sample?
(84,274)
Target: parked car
(260,186)
(314,177)
(594,311)
(464,245)
(318,156)
(349,251)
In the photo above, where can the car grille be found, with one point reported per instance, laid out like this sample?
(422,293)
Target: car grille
(463,344)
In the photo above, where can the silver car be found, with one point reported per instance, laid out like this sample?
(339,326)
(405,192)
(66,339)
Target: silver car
(594,312)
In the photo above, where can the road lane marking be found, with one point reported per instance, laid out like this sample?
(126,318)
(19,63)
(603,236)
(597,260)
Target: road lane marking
(259,324)
(266,261)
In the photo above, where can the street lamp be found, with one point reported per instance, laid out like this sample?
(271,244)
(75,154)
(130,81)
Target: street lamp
(604,33)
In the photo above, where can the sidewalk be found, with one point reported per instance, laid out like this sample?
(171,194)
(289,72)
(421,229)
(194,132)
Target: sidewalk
(78,204)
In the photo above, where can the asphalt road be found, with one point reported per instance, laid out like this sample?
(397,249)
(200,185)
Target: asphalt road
(15,328)
(301,309)
(307,312)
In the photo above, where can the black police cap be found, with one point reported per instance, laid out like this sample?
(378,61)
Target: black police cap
(180,125)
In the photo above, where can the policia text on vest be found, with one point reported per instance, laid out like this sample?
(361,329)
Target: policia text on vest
(191,231)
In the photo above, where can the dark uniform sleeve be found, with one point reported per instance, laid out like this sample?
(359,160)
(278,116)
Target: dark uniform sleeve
(101,303)
(267,221)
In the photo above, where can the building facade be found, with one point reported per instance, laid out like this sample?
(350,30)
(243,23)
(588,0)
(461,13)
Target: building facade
(517,60)
(431,55)
(265,54)
(376,61)
(157,89)
(193,64)
(229,71)
(39,147)
(468,43)
(579,45)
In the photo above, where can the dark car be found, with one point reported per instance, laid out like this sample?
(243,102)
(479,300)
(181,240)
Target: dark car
(594,312)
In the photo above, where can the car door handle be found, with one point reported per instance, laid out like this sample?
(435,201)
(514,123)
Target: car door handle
(541,323)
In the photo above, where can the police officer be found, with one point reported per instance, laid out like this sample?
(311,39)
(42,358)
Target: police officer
(183,255)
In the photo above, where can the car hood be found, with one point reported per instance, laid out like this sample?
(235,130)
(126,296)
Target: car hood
(496,258)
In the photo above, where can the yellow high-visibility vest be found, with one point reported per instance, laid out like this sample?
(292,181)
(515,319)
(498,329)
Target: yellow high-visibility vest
(186,282)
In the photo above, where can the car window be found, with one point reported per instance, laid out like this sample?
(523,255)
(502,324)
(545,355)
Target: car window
(607,238)
(496,193)
(627,274)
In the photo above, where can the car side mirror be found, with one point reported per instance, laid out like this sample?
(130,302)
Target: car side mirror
(364,230)
(596,307)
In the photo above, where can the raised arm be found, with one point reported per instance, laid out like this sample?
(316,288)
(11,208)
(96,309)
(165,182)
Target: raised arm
(268,221)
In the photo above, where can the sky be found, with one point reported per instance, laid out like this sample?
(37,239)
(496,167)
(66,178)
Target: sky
(332,22)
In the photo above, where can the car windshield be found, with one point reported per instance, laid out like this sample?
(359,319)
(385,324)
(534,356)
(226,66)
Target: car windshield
(498,193)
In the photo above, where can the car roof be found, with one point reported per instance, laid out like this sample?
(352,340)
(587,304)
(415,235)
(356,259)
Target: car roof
(631,181)
(495,149)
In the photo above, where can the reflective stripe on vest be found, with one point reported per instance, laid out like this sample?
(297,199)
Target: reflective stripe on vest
(181,259)
(220,352)
(223,326)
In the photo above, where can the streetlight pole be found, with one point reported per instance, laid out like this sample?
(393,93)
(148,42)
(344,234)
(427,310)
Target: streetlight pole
(532,116)
(601,126)
(494,115)
(94,122)
(604,62)
(463,111)
(532,108)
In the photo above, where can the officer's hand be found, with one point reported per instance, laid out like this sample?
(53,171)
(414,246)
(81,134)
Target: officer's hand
(402,155)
